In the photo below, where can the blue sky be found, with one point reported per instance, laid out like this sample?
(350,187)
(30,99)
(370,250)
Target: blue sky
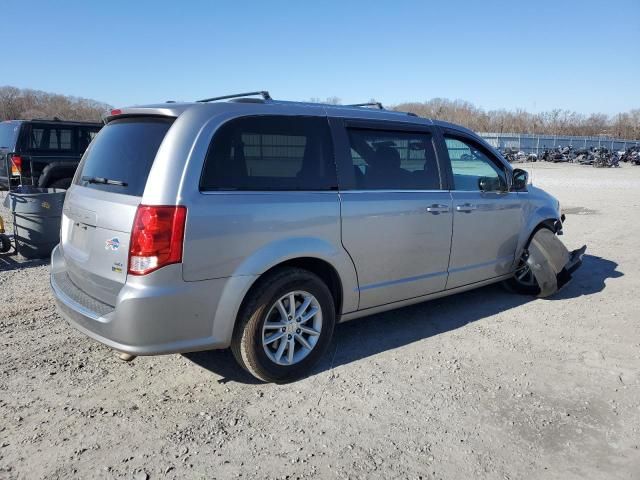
(536,55)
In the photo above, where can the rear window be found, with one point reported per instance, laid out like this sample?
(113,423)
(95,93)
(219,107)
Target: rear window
(122,153)
(270,152)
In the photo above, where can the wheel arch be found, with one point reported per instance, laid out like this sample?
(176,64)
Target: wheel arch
(320,267)
(318,255)
(323,269)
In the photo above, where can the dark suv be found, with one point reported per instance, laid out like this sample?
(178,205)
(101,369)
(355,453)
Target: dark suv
(42,152)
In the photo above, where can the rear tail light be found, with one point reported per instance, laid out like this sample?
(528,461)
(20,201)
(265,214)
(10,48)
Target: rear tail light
(16,165)
(156,238)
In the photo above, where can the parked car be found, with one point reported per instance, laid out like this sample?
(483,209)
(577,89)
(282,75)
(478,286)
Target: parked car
(259,224)
(44,153)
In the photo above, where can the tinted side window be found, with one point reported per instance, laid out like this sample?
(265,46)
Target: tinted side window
(270,153)
(393,160)
(50,138)
(470,163)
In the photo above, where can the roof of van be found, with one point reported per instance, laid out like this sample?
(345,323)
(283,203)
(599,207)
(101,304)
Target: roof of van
(255,105)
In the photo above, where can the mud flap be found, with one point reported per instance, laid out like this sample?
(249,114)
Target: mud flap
(550,261)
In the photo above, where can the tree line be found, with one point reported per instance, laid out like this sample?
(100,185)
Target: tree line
(18,103)
(553,122)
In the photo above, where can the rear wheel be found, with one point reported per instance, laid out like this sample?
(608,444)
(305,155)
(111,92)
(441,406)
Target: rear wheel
(285,326)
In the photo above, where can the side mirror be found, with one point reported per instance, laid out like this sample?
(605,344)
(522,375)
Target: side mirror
(491,184)
(520,180)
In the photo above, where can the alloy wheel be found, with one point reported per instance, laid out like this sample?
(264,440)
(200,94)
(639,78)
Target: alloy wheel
(523,275)
(292,328)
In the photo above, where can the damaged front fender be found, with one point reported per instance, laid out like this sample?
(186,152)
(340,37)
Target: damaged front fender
(550,261)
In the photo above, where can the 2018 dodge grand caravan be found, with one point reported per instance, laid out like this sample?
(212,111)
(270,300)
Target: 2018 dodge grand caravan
(258,224)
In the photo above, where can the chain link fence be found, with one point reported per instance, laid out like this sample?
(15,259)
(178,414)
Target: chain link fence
(531,143)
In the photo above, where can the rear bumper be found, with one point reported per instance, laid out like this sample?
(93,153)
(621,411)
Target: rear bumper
(156,314)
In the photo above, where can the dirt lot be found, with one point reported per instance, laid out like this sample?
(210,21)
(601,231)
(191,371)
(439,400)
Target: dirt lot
(485,384)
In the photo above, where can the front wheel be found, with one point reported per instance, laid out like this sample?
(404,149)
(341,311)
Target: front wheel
(285,326)
(523,281)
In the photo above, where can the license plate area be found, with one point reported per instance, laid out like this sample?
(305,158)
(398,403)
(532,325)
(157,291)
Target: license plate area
(77,240)
(81,236)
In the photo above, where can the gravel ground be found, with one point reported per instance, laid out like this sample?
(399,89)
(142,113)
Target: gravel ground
(485,384)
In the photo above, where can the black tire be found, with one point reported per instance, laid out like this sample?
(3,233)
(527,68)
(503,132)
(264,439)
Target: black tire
(247,342)
(61,183)
(5,243)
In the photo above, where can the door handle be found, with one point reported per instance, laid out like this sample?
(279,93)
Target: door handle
(437,208)
(467,207)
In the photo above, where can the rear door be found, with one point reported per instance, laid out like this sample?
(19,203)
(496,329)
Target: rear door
(396,215)
(98,216)
(487,221)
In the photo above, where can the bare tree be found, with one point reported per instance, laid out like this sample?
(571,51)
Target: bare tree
(10,103)
(554,122)
(20,104)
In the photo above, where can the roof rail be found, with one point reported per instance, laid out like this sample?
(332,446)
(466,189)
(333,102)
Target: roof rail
(263,93)
(367,104)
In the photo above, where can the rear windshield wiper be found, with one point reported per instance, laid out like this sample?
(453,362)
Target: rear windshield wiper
(105,181)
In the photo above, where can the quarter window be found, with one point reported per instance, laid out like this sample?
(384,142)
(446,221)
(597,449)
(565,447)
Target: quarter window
(270,153)
(470,165)
(390,160)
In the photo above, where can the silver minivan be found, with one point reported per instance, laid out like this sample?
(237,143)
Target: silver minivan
(259,224)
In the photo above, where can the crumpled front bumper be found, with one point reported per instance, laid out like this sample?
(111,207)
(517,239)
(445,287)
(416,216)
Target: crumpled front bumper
(550,261)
